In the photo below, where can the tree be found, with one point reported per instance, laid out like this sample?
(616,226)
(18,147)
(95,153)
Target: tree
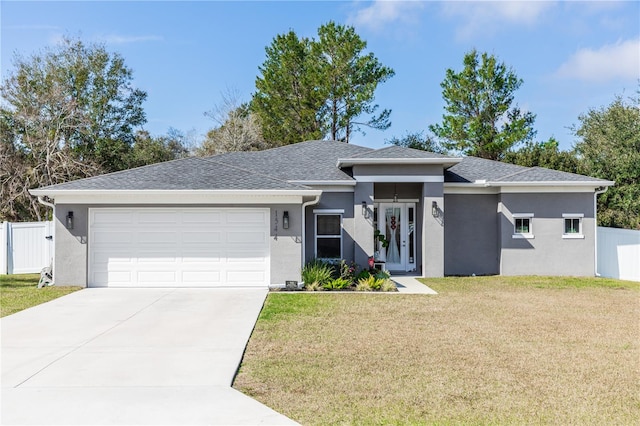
(609,148)
(350,77)
(150,150)
(288,93)
(544,154)
(417,140)
(310,89)
(94,85)
(69,112)
(237,128)
(479,119)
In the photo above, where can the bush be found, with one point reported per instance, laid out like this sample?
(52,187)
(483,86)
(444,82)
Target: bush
(337,284)
(362,274)
(316,274)
(388,285)
(346,270)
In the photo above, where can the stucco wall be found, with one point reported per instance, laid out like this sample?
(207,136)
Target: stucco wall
(71,262)
(433,231)
(547,253)
(363,223)
(471,238)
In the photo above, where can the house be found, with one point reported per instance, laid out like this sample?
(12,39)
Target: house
(254,218)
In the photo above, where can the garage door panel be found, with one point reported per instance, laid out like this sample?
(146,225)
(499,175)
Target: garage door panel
(159,217)
(246,218)
(106,219)
(156,276)
(157,237)
(201,218)
(112,237)
(151,247)
(206,237)
(243,237)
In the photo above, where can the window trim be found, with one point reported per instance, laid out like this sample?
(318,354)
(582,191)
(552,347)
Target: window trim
(327,212)
(528,235)
(576,235)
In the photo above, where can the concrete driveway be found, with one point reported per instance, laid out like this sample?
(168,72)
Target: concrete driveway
(131,356)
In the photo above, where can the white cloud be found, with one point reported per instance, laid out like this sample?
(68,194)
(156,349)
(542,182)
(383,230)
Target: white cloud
(619,60)
(125,39)
(486,17)
(381,13)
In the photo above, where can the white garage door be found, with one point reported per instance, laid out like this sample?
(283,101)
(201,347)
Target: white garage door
(170,247)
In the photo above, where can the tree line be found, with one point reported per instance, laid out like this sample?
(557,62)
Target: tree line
(72,111)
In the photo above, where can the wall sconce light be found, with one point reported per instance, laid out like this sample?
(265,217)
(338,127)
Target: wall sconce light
(364,208)
(434,208)
(70,220)
(285,220)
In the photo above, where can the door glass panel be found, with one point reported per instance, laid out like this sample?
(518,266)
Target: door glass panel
(393,233)
(410,233)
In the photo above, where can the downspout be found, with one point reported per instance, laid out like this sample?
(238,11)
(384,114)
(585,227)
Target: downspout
(48,204)
(595,228)
(304,227)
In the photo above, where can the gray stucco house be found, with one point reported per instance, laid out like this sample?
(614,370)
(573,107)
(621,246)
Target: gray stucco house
(254,218)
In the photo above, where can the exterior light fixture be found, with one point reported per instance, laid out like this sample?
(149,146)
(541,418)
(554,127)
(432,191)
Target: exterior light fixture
(434,208)
(285,220)
(364,208)
(70,220)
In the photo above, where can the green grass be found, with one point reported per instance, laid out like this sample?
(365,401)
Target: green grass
(556,283)
(485,350)
(18,292)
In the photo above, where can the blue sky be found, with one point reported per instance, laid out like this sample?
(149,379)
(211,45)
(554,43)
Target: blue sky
(572,56)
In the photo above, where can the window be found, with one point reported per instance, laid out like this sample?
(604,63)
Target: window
(328,234)
(523,225)
(572,225)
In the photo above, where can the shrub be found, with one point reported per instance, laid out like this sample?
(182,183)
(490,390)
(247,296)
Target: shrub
(316,274)
(388,285)
(370,283)
(338,284)
(362,274)
(314,286)
(347,271)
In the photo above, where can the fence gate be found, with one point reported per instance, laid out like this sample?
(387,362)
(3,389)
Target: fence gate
(25,247)
(619,253)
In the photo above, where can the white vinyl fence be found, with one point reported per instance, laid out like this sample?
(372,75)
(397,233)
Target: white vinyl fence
(619,253)
(24,247)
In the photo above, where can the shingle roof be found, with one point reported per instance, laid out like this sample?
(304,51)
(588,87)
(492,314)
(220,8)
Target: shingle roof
(311,160)
(185,174)
(471,169)
(279,169)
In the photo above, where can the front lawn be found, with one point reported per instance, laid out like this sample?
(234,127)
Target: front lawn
(485,350)
(18,292)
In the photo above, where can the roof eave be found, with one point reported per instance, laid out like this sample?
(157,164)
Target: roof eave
(594,184)
(249,192)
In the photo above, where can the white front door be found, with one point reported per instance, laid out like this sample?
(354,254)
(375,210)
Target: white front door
(396,221)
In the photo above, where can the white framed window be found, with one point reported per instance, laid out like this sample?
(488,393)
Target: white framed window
(328,234)
(572,225)
(522,225)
